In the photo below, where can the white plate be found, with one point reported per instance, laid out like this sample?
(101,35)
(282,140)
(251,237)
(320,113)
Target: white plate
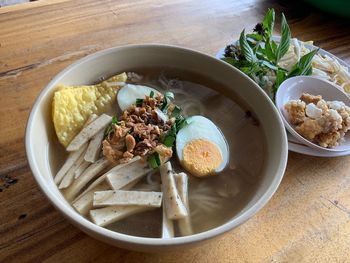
(293,144)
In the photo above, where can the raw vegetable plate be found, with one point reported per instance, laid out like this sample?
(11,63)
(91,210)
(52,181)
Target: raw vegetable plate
(293,144)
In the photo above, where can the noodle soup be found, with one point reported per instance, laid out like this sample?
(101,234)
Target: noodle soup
(212,197)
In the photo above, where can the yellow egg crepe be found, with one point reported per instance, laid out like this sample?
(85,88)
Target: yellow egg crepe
(72,105)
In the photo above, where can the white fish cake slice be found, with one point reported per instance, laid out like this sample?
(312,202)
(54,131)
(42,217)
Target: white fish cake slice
(121,177)
(167,225)
(94,148)
(102,178)
(85,203)
(121,197)
(89,131)
(69,176)
(111,214)
(174,206)
(184,224)
(71,159)
(89,174)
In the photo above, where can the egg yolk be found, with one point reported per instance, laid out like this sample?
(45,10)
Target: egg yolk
(201,157)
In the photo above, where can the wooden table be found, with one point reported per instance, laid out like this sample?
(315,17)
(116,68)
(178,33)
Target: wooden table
(307,220)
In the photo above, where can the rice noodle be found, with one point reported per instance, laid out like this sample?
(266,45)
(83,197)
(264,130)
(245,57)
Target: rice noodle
(192,107)
(203,198)
(149,178)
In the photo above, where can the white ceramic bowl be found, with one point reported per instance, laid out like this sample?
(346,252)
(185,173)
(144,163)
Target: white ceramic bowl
(293,88)
(114,60)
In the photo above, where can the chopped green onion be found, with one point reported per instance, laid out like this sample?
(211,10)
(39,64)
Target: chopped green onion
(154,160)
(176,111)
(180,122)
(109,129)
(139,102)
(164,105)
(151,95)
(169,141)
(115,120)
(169,95)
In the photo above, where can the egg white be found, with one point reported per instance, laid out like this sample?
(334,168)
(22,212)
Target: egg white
(200,127)
(128,94)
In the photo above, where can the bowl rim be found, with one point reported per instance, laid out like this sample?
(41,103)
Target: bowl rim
(89,227)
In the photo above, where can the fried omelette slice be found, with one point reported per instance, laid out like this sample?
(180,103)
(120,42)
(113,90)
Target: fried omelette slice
(72,105)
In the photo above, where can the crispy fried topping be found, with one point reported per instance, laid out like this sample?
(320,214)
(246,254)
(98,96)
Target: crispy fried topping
(138,132)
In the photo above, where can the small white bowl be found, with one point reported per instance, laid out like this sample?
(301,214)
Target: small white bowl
(293,88)
(111,61)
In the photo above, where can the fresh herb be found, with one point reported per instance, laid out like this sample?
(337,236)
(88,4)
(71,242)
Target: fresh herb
(168,97)
(151,95)
(110,127)
(176,111)
(268,23)
(303,66)
(170,137)
(247,51)
(139,102)
(180,122)
(169,141)
(285,40)
(154,160)
(257,55)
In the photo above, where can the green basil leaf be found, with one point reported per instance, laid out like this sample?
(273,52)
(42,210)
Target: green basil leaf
(285,39)
(247,51)
(269,21)
(151,95)
(280,77)
(269,65)
(303,66)
(254,36)
(229,60)
(269,52)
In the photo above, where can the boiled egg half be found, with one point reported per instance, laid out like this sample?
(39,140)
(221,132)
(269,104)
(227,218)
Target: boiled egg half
(201,147)
(128,94)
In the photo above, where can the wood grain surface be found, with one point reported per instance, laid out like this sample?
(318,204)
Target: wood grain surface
(307,220)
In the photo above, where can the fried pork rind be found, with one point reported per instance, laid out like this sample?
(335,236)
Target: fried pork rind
(309,129)
(296,111)
(324,123)
(72,105)
(308,98)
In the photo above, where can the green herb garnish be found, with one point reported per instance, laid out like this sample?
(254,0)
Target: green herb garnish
(169,141)
(257,55)
(180,122)
(110,127)
(176,111)
(139,102)
(168,97)
(151,95)
(154,160)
